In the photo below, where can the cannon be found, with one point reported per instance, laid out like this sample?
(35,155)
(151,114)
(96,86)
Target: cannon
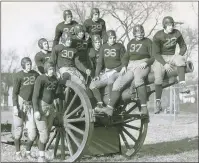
(82,132)
(78,131)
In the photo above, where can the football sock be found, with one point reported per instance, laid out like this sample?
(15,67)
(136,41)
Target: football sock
(17,145)
(158,91)
(142,94)
(181,73)
(29,145)
(115,95)
(97,94)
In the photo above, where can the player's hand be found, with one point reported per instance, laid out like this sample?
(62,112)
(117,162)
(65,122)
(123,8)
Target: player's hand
(88,72)
(96,78)
(87,36)
(143,65)
(15,110)
(168,68)
(123,70)
(37,115)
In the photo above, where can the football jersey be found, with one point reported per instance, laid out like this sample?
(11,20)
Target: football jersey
(40,59)
(137,50)
(23,85)
(63,56)
(110,57)
(45,89)
(61,27)
(98,27)
(165,44)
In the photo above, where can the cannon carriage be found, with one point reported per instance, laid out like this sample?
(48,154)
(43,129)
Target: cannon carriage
(79,131)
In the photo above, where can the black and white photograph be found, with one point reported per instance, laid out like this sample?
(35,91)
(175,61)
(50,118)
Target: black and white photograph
(99,81)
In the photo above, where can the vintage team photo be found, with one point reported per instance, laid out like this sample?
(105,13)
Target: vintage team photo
(99,81)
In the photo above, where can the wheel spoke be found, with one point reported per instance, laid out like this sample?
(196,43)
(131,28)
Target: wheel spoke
(75,129)
(51,139)
(82,114)
(132,127)
(67,90)
(73,137)
(68,142)
(131,109)
(74,111)
(75,120)
(124,140)
(71,103)
(62,145)
(131,136)
(57,142)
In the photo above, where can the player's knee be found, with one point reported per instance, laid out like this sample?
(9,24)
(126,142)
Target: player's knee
(32,134)
(158,81)
(116,87)
(44,136)
(180,61)
(139,82)
(92,85)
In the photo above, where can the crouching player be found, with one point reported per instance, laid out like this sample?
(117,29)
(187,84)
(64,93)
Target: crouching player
(164,46)
(44,111)
(110,57)
(22,106)
(65,58)
(138,60)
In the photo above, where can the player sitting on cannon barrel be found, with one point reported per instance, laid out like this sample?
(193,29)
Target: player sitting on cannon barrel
(42,56)
(110,57)
(66,59)
(138,60)
(23,87)
(67,25)
(45,92)
(164,46)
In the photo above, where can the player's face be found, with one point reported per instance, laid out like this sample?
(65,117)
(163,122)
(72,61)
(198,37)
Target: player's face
(45,46)
(68,18)
(169,28)
(111,40)
(95,17)
(80,35)
(28,66)
(68,42)
(97,44)
(50,71)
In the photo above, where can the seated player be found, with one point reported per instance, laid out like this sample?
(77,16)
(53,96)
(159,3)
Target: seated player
(138,60)
(94,52)
(67,25)
(42,56)
(164,46)
(95,24)
(82,43)
(65,58)
(45,92)
(110,57)
(23,87)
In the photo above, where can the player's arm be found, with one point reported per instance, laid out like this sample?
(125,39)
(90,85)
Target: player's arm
(126,57)
(16,88)
(80,66)
(156,50)
(122,54)
(151,59)
(58,34)
(40,66)
(182,45)
(53,57)
(100,63)
(85,26)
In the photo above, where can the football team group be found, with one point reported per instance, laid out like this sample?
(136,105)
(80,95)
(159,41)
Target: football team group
(89,50)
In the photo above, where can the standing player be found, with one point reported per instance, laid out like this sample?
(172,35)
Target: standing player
(65,58)
(110,57)
(67,25)
(22,106)
(44,94)
(42,56)
(138,60)
(164,46)
(95,24)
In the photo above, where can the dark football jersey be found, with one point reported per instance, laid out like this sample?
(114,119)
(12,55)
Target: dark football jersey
(61,27)
(98,27)
(63,56)
(165,44)
(40,59)
(137,50)
(110,57)
(23,85)
(45,89)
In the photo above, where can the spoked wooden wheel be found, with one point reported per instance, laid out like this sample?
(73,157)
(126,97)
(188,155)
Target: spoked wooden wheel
(73,124)
(132,129)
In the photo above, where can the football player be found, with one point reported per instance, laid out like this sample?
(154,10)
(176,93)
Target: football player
(22,106)
(164,46)
(45,92)
(110,57)
(82,43)
(42,56)
(95,24)
(94,52)
(67,25)
(66,58)
(138,60)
